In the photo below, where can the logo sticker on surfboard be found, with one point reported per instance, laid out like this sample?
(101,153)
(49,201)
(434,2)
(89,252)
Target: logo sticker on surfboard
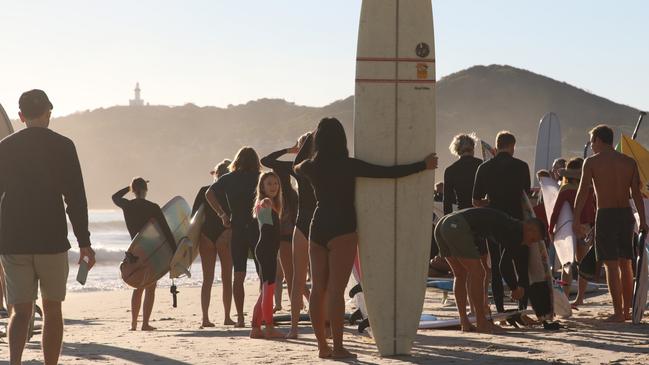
(422,50)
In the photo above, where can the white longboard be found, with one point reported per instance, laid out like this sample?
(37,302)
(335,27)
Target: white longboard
(395,124)
(187,249)
(548,143)
(641,285)
(5,124)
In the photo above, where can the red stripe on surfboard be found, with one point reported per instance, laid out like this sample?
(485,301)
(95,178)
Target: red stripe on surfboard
(392,81)
(387,59)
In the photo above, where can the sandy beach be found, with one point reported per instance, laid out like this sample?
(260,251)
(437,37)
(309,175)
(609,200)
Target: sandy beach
(97,332)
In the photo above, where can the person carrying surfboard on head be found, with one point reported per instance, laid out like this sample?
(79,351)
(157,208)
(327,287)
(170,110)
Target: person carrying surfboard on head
(567,194)
(334,241)
(498,185)
(268,212)
(615,178)
(232,197)
(39,172)
(137,213)
(214,241)
(296,270)
(457,235)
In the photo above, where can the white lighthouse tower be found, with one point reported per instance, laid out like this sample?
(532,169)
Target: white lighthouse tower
(137,101)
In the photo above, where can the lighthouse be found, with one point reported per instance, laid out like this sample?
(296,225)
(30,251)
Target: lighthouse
(137,101)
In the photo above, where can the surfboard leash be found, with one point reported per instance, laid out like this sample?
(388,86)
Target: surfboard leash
(174,293)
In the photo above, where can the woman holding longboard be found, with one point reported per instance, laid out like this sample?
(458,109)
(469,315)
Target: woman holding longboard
(333,238)
(232,197)
(137,213)
(214,241)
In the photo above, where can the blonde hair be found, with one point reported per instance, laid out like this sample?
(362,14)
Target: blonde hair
(246,160)
(261,195)
(462,143)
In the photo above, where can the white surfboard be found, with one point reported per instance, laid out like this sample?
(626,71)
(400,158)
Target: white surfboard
(641,284)
(550,191)
(548,143)
(5,124)
(394,124)
(455,323)
(187,249)
(565,242)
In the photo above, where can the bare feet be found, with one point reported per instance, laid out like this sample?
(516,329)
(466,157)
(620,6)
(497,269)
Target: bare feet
(207,323)
(146,327)
(616,318)
(627,316)
(229,322)
(271,333)
(240,322)
(133,326)
(342,353)
(489,328)
(256,332)
(292,334)
(277,308)
(467,327)
(324,352)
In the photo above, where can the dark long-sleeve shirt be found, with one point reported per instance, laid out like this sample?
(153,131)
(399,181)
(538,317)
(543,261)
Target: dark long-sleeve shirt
(458,183)
(306,196)
(503,179)
(138,212)
(492,224)
(39,171)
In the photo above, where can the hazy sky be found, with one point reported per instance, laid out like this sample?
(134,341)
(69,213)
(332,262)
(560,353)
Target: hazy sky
(89,54)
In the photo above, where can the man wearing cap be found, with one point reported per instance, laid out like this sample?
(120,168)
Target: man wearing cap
(37,168)
(567,194)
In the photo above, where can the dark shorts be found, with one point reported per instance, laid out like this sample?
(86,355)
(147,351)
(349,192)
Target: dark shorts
(614,234)
(455,238)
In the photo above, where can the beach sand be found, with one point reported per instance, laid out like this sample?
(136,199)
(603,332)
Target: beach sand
(97,326)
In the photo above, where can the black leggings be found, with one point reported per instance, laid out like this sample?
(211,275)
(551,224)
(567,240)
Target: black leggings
(266,255)
(244,239)
(515,261)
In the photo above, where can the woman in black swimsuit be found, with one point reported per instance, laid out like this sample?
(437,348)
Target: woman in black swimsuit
(214,241)
(232,198)
(333,239)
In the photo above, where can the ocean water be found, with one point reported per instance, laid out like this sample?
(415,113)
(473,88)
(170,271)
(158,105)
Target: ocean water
(110,240)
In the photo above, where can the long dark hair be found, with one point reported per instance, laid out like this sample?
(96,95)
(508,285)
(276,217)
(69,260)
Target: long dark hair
(330,141)
(246,160)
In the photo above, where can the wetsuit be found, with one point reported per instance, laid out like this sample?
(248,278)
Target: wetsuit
(138,212)
(457,234)
(458,183)
(213,225)
(334,183)
(306,196)
(284,169)
(235,193)
(266,256)
(503,179)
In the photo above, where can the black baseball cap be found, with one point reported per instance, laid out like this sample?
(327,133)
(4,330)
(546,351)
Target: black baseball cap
(34,103)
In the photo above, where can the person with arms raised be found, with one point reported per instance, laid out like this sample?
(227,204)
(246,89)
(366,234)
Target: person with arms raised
(137,213)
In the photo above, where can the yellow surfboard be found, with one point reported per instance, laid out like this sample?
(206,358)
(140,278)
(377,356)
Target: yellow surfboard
(640,154)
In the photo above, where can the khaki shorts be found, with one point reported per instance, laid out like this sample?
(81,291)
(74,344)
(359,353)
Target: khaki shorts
(23,273)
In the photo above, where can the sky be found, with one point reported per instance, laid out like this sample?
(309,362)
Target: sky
(89,54)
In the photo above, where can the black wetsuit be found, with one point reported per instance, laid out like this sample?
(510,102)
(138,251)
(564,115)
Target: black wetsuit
(458,183)
(504,179)
(213,225)
(494,225)
(267,247)
(306,196)
(284,169)
(236,192)
(138,212)
(334,183)
(39,171)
